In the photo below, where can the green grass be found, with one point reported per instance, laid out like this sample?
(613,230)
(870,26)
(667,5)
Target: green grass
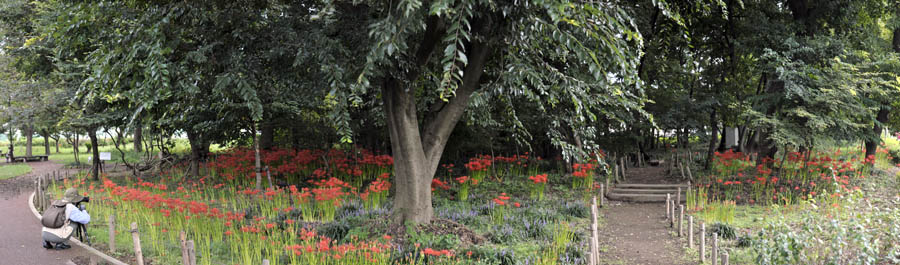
(66,154)
(12,170)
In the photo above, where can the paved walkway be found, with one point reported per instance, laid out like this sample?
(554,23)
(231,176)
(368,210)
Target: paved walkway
(20,230)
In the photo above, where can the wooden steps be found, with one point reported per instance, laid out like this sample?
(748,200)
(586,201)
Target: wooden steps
(648,193)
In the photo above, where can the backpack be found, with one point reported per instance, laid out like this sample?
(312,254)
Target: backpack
(54,216)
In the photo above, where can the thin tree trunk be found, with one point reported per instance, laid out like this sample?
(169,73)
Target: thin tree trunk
(872,144)
(29,132)
(258,168)
(95,148)
(267,139)
(46,136)
(714,134)
(138,135)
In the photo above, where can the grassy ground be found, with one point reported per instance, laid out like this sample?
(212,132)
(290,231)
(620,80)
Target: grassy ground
(12,170)
(66,154)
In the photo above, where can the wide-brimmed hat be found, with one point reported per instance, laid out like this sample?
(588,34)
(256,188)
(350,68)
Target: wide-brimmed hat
(72,196)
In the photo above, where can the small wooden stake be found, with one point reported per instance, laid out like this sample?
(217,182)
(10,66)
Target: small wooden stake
(112,233)
(715,249)
(702,242)
(138,254)
(595,247)
(185,257)
(191,253)
(673,215)
(691,231)
(668,204)
(681,167)
(265,262)
(678,197)
(601,194)
(681,220)
(724,258)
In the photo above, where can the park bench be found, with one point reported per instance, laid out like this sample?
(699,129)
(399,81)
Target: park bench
(28,158)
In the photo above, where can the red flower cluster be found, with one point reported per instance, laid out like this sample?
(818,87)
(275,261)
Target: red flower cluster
(583,170)
(541,178)
(437,253)
(437,183)
(501,200)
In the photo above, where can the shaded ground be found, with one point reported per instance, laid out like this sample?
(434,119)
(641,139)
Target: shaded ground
(636,233)
(21,231)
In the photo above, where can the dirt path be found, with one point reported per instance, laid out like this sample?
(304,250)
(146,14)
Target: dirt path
(636,233)
(21,231)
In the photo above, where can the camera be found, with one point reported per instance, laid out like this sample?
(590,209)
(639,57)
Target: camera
(85,199)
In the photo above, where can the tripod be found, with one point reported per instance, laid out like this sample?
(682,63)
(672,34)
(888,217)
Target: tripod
(81,229)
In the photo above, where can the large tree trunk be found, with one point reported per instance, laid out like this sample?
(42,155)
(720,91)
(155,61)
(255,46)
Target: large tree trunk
(417,153)
(29,132)
(199,151)
(95,148)
(872,144)
(138,135)
(713,138)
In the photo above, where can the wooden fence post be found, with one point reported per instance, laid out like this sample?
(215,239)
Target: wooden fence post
(138,254)
(715,249)
(602,194)
(691,231)
(185,259)
(668,204)
(595,243)
(112,233)
(265,262)
(191,253)
(672,223)
(678,197)
(681,220)
(702,242)
(725,258)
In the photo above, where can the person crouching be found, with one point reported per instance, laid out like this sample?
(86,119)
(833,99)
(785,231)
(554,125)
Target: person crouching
(57,237)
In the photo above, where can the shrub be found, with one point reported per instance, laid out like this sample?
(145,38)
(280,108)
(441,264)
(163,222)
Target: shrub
(867,237)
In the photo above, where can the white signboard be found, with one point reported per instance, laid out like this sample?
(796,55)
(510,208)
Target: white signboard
(105,156)
(731,137)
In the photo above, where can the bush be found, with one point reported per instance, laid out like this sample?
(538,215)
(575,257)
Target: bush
(895,156)
(854,238)
(724,231)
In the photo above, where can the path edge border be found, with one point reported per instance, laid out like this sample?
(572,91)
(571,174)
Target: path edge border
(75,240)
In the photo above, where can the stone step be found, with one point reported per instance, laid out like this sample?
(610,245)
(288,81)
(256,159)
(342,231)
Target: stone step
(650,186)
(646,191)
(639,197)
